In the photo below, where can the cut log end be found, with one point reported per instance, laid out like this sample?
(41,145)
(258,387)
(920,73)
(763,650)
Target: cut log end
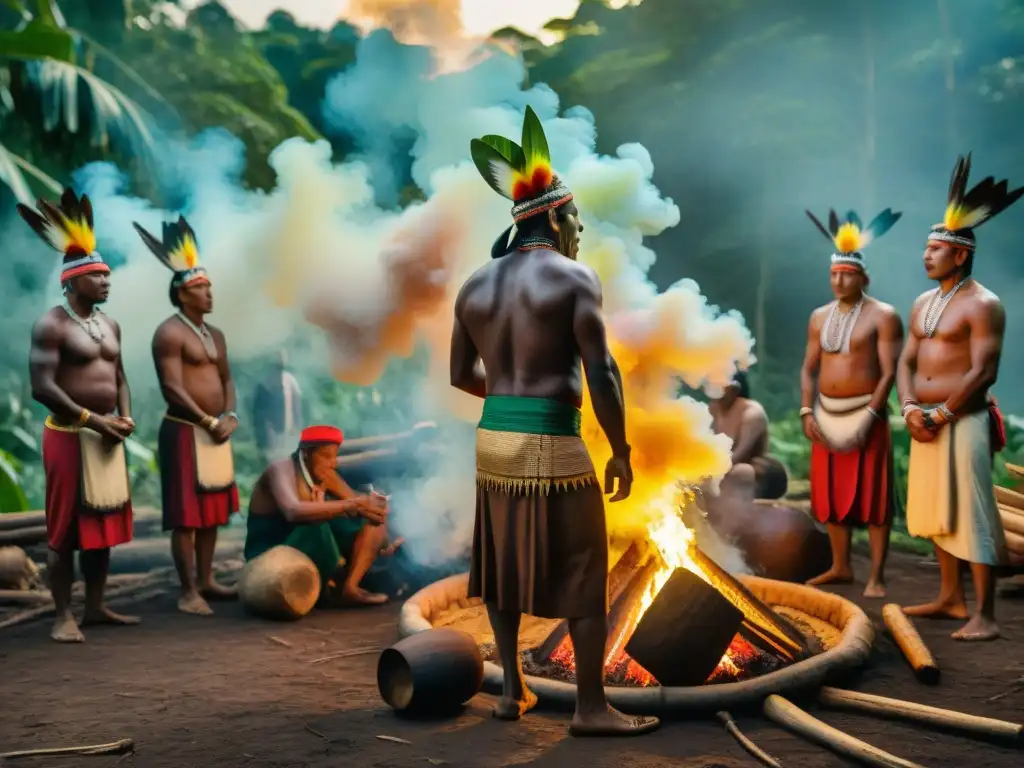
(685,631)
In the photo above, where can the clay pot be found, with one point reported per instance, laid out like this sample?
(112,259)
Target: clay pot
(777,541)
(438,670)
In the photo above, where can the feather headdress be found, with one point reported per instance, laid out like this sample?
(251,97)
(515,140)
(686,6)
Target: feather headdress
(849,236)
(178,251)
(968,210)
(67,227)
(521,173)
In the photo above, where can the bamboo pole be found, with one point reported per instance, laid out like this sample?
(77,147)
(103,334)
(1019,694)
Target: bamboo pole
(911,644)
(23,536)
(1014,541)
(1010,498)
(25,597)
(754,750)
(985,727)
(790,716)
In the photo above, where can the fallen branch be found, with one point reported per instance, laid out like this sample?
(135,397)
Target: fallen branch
(790,716)
(120,747)
(126,593)
(747,744)
(911,644)
(24,597)
(985,727)
(346,654)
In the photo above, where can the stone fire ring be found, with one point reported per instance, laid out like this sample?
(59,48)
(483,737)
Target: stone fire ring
(851,652)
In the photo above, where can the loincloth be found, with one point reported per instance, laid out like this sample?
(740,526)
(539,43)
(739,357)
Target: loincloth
(197,477)
(854,485)
(539,545)
(88,495)
(950,498)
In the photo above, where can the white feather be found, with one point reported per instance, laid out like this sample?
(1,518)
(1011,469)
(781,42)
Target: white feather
(503,176)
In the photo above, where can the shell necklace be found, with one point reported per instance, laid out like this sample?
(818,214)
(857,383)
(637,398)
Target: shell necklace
(838,328)
(936,306)
(90,324)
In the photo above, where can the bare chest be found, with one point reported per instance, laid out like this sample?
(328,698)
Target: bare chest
(951,326)
(853,333)
(88,342)
(197,352)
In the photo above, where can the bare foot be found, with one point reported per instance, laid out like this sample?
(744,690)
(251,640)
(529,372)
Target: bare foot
(509,708)
(65,630)
(357,596)
(215,591)
(195,604)
(876,589)
(106,616)
(833,576)
(612,723)
(978,629)
(939,609)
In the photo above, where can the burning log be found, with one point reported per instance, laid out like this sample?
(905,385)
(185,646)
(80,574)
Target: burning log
(761,625)
(791,717)
(684,633)
(984,727)
(623,573)
(910,643)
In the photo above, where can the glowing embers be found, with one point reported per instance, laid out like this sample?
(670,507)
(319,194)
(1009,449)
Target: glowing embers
(687,626)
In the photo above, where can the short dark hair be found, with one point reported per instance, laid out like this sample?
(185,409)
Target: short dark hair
(968,265)
(740,382)
(175,295)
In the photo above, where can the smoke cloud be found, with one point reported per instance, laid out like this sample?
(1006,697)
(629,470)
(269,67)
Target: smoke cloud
(327,248)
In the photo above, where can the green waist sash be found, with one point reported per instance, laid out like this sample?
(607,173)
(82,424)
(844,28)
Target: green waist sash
(530,416)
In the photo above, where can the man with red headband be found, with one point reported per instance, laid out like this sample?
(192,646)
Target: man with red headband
(849,369)
(75,365)
(302,502)
(197,471)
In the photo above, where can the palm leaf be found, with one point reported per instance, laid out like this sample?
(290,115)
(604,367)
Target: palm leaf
(12,175)
(37,41)
(58,82)
(12,496)
(124,68)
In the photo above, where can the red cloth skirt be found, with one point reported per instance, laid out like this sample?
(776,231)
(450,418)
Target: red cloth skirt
(69,524)
(855,487)
(185,505)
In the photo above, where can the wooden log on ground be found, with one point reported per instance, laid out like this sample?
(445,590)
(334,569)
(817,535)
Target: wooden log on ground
(9,521)
(625,611)
(911,644)
(142,555)
(684,633)
(24,597)
(281,584)
(1013,521)
(422,430)
(789,716)
(1009,498)
(942,719)
(1014,542)
(23,537)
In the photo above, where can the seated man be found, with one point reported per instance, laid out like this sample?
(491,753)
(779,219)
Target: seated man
(754,474)
(301,502)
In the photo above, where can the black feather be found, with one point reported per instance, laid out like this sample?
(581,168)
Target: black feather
(833,222)
(819,225)
(958,181)
(86,206)
(38,223)
(154,245)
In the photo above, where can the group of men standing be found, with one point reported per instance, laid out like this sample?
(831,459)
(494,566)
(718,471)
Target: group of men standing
(943,374)
(77,373)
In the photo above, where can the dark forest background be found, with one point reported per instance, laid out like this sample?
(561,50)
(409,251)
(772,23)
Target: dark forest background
(752,111)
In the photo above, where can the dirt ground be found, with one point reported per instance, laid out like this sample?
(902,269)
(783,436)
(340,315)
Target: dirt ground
(235,691)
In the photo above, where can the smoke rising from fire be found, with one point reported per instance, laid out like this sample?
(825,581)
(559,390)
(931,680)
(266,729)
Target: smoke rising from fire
(320,249)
